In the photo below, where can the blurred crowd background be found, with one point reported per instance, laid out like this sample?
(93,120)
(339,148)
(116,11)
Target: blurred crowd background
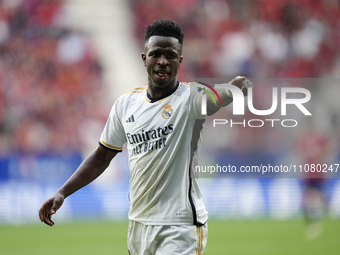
(54,100)
(50,79)
(261,38)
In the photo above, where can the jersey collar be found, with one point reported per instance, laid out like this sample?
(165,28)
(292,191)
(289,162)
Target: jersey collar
(152,100)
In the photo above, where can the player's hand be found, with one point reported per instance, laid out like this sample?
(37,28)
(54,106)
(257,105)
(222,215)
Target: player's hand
(242,83)
(49,208)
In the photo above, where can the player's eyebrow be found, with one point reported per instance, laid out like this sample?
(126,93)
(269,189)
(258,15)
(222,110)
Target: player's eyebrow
(164,50)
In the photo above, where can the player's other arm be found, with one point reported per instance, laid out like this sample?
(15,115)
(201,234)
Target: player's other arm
(226,97)
(93,166)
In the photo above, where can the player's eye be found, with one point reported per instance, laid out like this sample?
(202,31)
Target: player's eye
(154,54)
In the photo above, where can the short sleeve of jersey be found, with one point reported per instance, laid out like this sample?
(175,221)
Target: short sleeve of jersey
(113,136)
(196,93)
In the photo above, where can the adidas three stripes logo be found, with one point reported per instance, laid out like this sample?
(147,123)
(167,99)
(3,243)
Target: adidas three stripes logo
(131,119)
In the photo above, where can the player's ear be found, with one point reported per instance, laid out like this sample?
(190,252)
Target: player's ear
(180,60)
(144,58)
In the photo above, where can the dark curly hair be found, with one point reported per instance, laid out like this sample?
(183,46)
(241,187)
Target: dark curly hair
(164,28)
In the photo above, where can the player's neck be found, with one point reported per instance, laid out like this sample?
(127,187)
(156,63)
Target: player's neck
(156,92)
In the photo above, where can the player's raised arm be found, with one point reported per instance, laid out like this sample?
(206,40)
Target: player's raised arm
(226,96)
(93,166)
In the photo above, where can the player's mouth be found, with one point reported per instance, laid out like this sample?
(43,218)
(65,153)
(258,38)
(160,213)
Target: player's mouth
(162,74)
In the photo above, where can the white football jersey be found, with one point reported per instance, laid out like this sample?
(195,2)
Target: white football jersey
(163,138)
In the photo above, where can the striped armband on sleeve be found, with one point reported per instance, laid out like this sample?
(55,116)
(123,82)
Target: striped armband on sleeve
(110,147)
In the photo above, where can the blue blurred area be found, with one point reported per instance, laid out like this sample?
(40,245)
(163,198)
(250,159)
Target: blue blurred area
(26,181)
(4,169)
(21,200)
(227,198)
(39,167)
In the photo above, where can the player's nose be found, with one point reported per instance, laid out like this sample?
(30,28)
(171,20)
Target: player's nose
(162,60)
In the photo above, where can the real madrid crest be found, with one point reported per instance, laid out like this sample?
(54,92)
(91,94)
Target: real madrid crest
(167,112)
